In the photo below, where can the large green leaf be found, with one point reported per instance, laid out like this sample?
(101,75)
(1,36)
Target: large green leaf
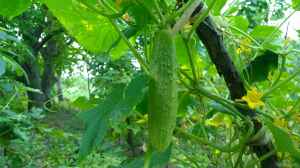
(113,109)
(140,14)
(296,4)
(15,66)
(92,31)
(239,22)
(268,33)
(119,48)
(12,8)
(186,100)
(218,6)
(182,52)
(82,103)
(259,69)
(283,141)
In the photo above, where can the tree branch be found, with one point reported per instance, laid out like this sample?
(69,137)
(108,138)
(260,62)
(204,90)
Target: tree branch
(40,44)
(213,41)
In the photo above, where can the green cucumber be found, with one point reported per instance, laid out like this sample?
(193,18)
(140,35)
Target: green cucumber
(162,90)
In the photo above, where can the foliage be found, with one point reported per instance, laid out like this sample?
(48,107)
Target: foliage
(91,65)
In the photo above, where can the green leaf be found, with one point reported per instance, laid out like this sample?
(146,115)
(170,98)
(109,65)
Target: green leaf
(239,22)
(259,69)
(119,48)
(186,100)
(2,67)
(116,107)
(218,6)
(92,31)
(12,8)
(182,54)
(296,4)
(283,141)
(83,103)
(17,67)
(140,14)
(264,33)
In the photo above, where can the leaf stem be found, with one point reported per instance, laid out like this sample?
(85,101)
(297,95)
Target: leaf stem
(122,35)
(245,34)
(190,55)
(133,50)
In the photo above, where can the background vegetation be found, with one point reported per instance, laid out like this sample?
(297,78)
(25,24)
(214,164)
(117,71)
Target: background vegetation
(74,80)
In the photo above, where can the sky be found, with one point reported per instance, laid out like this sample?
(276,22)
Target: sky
(293,22)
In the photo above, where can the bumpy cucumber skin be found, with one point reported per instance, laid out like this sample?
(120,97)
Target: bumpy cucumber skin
(162,90)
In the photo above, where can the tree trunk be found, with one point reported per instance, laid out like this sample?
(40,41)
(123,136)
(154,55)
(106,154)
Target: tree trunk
(213,41)
(48,78)
(59,89)
(34,99)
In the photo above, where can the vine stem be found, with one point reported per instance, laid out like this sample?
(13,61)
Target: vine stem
(190,55)
(131,47)
(264,157)
(226,103)
(246,35)
(225,148)
(201,141)
(9,101)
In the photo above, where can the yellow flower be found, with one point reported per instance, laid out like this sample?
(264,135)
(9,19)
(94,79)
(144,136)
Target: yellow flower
(244,46)
(219,119)
(126,17)
(253,98)
(238,51)
(281,122)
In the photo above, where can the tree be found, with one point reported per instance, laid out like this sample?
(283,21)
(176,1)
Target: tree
(196,74)
(45,42)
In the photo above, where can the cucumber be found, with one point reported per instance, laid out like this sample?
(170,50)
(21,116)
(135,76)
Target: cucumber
(162,90)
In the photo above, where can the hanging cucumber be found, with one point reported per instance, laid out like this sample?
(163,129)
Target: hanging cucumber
(162,90)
